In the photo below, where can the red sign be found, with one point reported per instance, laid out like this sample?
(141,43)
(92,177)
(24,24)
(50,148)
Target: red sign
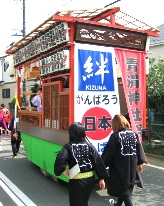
(97,122)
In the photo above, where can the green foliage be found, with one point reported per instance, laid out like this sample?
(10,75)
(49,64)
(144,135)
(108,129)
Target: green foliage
(34,88)
(13,101)
(153,149)
(155,81)
(155,85)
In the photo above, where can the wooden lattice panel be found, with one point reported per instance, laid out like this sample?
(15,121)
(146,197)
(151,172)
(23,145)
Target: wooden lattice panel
(46,106)
(64,112)
(55,106)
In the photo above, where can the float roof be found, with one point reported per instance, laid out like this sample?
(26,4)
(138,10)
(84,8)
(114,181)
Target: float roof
(111,17)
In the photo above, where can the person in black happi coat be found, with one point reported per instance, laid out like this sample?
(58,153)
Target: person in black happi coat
(80,151)
(123,155)
(15,138)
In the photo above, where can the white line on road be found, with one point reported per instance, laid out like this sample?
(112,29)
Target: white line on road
(20,198)
(14,192)
(157,167)
(11,194)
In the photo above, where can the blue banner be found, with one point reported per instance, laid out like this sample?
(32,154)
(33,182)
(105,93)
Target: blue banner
(95,71)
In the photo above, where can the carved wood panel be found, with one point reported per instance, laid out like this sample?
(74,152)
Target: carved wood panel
(101,35)
(30,118)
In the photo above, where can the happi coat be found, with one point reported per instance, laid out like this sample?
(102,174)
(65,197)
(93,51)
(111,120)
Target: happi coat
(81,152)
(122,154)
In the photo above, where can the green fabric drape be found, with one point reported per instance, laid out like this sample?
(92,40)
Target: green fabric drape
(42,153)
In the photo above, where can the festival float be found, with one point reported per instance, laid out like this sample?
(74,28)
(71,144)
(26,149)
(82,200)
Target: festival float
(92,65)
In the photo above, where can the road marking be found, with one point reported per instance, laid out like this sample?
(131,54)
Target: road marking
(11,194)
(157,167)
(14,192)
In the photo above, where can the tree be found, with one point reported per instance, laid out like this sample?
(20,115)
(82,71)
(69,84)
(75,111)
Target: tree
(155,85)
(35,88)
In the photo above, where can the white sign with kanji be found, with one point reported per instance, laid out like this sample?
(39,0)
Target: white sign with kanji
(96,98)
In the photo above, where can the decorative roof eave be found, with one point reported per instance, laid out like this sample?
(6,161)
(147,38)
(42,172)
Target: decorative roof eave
(34,33)
(110,17)
(71,19)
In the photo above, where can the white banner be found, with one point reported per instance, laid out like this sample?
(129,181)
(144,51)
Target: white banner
(96,98)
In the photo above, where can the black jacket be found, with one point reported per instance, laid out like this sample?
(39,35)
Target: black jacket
(122,154)
(85,154)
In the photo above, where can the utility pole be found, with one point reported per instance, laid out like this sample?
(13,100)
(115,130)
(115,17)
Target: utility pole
(24,20)
(23,34)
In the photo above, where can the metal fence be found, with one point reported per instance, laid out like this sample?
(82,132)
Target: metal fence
(156,123)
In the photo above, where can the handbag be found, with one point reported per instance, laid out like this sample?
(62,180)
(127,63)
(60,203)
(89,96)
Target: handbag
(74,171)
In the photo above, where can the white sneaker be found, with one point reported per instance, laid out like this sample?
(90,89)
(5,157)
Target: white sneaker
(112,202)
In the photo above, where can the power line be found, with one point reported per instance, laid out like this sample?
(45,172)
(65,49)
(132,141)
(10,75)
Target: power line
(112,3)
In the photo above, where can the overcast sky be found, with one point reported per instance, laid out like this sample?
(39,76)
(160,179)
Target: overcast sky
(11,18)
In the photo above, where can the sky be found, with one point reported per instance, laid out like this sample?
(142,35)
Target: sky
(36,11)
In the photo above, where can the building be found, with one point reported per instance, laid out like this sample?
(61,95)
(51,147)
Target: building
(156,48)
(8,82)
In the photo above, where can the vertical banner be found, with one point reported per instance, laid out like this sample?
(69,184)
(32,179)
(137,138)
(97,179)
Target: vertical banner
(96,98)
(133,69)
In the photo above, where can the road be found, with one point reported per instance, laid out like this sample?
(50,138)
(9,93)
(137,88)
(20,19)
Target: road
(22,183)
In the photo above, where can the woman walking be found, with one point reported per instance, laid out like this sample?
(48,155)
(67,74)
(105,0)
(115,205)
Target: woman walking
(123,155)
(79,151)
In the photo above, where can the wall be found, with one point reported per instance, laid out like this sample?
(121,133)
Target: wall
(7,82)
(156,51)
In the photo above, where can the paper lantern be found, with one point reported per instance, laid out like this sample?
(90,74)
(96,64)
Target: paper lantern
(9,66)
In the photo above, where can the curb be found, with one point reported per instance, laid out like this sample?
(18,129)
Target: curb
(155,156)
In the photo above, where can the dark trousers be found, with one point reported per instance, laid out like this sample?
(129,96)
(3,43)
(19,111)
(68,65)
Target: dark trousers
(15,144)
(126,198)
(80,191)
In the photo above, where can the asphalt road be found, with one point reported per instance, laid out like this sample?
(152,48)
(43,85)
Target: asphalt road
(27,185)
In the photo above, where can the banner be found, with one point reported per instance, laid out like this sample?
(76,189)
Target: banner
(133,69)
(96,98)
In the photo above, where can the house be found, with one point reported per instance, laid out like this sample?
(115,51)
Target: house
(8,83)
(156,46)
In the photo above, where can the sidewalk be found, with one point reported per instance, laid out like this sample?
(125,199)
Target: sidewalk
(1,140)
(7,149)
(155,159)
(5,143)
